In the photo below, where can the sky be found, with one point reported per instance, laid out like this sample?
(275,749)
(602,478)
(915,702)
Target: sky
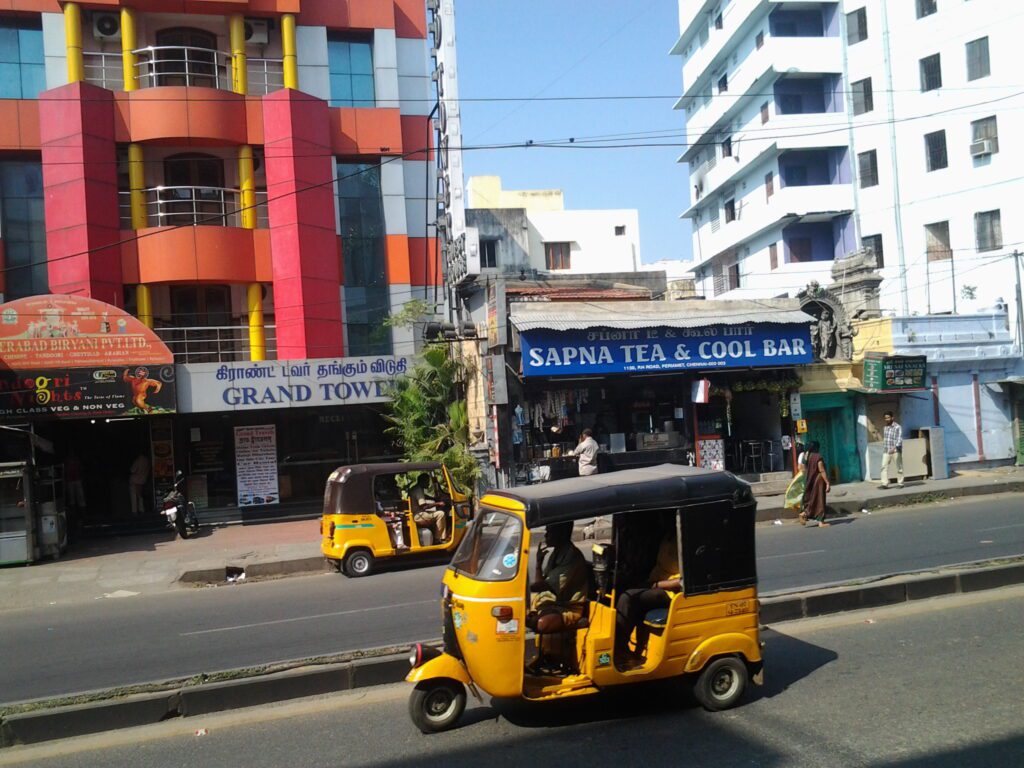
(572,48)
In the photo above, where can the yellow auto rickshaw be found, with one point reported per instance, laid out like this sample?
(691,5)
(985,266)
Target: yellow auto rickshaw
(705,629)
(377,511)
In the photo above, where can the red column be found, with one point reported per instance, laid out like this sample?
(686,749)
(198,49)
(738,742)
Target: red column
(79,158)
(303,235)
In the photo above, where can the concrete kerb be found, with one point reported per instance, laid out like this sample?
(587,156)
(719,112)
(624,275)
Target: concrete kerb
(318,679)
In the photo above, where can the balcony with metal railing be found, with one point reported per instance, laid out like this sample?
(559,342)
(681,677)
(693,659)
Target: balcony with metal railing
(193,206)
(214,344)
(182,66)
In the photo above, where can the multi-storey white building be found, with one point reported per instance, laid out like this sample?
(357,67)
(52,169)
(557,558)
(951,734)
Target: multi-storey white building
(816,128)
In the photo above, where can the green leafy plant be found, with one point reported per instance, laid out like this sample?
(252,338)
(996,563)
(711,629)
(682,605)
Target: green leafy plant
(427,416)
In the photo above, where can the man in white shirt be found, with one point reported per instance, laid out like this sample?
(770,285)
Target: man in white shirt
(586,451)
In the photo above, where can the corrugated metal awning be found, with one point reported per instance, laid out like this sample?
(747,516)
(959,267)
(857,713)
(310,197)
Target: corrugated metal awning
(580,315)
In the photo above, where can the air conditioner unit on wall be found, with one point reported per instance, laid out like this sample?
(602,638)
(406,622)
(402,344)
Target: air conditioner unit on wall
(257,31)
(984,147)
(106,26)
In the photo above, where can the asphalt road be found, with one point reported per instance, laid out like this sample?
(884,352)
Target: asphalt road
(59,650)
(926,685)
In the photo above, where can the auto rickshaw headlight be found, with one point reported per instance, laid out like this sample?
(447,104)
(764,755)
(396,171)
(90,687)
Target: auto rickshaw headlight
(421,654)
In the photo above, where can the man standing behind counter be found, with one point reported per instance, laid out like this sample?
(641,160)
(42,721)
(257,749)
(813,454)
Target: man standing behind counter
(586,451)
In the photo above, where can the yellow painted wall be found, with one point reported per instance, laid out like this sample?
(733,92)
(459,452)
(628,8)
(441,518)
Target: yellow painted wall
(872,336)
(486,192)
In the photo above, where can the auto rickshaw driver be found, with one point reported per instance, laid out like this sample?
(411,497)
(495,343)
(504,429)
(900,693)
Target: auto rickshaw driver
(560,586)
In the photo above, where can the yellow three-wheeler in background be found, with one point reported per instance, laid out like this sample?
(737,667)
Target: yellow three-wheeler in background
(695,525)
(371,513)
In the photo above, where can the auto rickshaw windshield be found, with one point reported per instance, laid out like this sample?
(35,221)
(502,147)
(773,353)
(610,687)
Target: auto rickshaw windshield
(490,551)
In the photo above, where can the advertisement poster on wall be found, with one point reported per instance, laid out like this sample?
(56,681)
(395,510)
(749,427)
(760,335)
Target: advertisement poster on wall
(256,465)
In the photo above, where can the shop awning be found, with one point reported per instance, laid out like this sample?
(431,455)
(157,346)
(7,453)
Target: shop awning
(629,315)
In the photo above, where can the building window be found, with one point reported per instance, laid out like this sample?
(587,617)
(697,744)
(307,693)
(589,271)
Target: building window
(769,185)
(988,231)
(734,276)
(23,228)
(557,255)
(351,70)
(985,130)
(935,150)
(723,84)
(977,59)
(718,21)
(936,241)
(773,255)
(873,243)
(931,72)
(488,254)
(791,104)
(857,26)
(727,146)
(759,40)
(764,113)
(22,72)
(863,96)
(800,249)
(367,300)
(795,175)
(730,211)
(620,230)
(867,162)
(926,8)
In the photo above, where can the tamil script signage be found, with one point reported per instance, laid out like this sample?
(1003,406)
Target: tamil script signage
(895,374)
(609,350)
(256,465)
(251,386)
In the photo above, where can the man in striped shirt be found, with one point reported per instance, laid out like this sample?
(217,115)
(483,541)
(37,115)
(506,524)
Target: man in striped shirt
(892,450)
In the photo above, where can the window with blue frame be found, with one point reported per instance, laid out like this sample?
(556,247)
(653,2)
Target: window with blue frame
(367,299)
(351,68)
(23,228)
(22,70)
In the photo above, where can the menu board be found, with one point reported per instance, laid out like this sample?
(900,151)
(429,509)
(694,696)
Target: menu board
(893,374)
(256,465)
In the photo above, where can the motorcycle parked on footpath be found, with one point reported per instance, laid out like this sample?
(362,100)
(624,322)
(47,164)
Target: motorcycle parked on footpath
(180,514)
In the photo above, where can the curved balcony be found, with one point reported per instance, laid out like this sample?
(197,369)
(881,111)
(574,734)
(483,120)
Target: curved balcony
(193,206)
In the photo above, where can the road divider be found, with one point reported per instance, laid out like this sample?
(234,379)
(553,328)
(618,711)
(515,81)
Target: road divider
(45,720)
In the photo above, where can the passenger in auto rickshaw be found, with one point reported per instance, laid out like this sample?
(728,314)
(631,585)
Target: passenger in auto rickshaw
(633,604)
(560,589)
(388,502)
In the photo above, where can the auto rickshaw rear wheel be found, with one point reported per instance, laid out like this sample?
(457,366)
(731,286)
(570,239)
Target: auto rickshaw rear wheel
(358,562)
(721,683)
(436,705)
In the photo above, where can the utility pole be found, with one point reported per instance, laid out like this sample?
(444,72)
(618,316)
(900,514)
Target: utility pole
(1020,309)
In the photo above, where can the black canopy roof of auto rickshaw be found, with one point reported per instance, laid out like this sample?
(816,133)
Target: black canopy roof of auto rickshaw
(355,483)
(631,490)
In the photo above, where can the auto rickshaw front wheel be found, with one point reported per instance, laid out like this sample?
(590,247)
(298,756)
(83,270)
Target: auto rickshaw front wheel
(721,683)
(359,562)
(436,705)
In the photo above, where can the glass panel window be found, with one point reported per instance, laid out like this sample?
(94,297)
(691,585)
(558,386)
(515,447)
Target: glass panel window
(935,150)
(351,72)
(22,73)
(873,243)
(931,72)
(863,97)
(926,8)
(988,230)
(857,26)
(936,241)
(977,59)
(23,228)
(730,211)
(367,300)
(557,255)
(867,162)
(490,550)
(985,130)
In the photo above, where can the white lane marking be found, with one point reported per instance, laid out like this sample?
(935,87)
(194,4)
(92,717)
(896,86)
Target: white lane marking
(306,618)
(793,554)
(1001,527)
(487,599)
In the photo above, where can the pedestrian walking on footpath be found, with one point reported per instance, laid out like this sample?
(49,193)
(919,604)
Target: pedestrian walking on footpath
(892,450)
(817,487)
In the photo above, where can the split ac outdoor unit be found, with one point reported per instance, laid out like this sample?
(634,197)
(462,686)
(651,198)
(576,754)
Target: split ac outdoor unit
(256,31)
(984,147)
(106,26)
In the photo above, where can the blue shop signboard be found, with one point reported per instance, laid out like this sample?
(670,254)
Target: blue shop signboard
(611,350)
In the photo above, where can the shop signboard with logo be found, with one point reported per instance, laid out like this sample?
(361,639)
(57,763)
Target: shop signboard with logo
(713,347)
(252,386)
(70,356)
(895,374)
